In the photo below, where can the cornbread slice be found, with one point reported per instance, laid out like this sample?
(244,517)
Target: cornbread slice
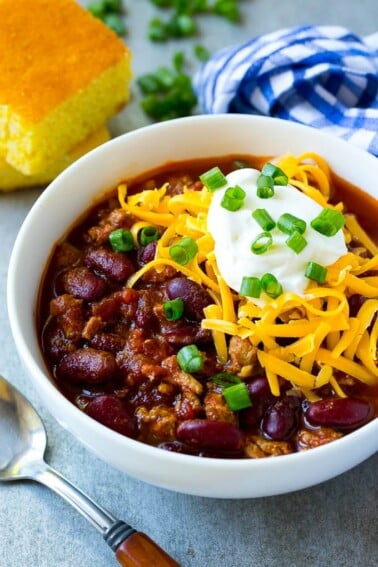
(63,74)
(11,178)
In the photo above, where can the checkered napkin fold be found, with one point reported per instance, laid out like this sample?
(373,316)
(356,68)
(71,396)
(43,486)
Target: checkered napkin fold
(321,76)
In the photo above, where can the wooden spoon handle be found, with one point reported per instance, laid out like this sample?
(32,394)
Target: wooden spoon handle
(138,550)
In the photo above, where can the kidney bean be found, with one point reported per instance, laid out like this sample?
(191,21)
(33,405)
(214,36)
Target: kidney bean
(341,413)
(114,265)
(55,343)
(194,296)
(110,342)
(84,284)
(280,420)
(109,410)
(88,365)
(259,389)
(146,253)
(261,398)
(204,434)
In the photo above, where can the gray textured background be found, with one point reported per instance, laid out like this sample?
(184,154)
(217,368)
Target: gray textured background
(333,524)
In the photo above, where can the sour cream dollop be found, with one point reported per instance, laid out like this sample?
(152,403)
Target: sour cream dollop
(234,232)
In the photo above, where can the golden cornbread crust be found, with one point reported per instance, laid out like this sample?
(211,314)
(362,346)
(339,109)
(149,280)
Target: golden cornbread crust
(63,74)
(49,50)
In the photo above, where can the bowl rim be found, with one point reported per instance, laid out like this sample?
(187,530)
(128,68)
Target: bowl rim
(45,384)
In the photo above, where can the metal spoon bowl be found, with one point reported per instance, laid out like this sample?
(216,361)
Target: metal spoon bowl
(23,443)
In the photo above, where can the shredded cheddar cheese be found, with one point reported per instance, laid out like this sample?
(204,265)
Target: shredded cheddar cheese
(325,340)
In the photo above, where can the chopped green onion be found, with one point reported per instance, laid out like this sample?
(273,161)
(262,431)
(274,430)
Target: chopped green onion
(148,234)
(174,309)
(263,218)
(148,83)
(109,12)
(271,285)
(171,102)
(102,7)
(157,30)
(121,240)
(190,359)
(226,380)
(227,9)
(237,397)
(97,9)
(233,199)
(199,5)
(201,53)
(162,3)
(296,242)
(316,272)
(184,250)
(265,187)
(113,5)
(288,223)
(213,179)
(115,23)
(166,77)
(250,286)
(279,177)
(181,25)
(328,222)
(262,243)
(178,60)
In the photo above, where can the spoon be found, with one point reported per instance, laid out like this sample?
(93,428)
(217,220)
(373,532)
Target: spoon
(22,446)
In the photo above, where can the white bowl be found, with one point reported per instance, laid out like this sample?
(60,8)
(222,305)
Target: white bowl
(72,193)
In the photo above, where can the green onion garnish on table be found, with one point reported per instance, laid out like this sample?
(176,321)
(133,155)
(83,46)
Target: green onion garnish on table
(109,12)
(157,30)
(181,25)
(182,22)
(328,222)
(190,359)
(115,23)
(167,92)
(201,53)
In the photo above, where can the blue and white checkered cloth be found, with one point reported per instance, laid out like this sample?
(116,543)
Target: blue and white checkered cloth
(324,76)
